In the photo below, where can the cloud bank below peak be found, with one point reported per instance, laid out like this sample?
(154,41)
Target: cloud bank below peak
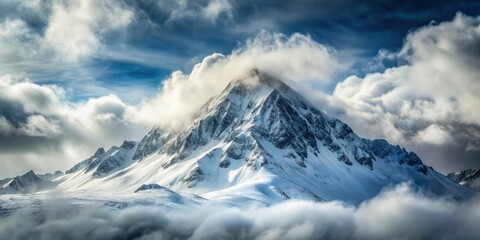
(402,213)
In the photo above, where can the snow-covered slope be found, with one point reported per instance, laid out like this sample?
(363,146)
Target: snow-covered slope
(102,165)
(27,183)
(469,178)
(258,140)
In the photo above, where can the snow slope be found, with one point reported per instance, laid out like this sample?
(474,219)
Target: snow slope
(258,140)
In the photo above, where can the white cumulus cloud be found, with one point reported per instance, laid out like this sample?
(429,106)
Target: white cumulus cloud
(296,59)
(75,27)
(431,100)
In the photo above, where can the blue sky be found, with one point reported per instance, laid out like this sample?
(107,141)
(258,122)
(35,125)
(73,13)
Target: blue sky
(164,36)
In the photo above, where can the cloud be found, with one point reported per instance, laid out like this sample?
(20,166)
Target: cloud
(432,100)
(37,123)
(76,27)
(209,10)
(22,48)
(86,45)
(398,213)
(217,7)
(433,134)
(52,39)
(296,59)
(73,30)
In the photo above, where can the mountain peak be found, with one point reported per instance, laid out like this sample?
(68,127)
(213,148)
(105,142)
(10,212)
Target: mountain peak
(256,79)
(26,183)
(99,152)
(259,132)
(30,173)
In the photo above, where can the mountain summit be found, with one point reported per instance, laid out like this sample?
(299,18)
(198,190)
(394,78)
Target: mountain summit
(27,183)
(261,140)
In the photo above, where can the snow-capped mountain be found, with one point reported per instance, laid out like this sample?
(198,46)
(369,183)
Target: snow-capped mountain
(104,162)
(27,183)
(469,178)
(259,140)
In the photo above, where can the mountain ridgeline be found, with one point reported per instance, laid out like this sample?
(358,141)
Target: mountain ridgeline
(259,140)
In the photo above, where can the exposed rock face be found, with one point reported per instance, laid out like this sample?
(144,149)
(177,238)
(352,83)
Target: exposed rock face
(128,145)
(86,162)
(27,183)
(151,186)
(114,159)
(152,142)
(103,163)
(4,181)
(469,178)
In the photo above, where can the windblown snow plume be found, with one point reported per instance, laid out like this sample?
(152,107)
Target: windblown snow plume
(294,59)
(395,214)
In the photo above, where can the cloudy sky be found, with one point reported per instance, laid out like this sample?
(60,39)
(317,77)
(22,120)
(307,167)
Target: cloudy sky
(76,75)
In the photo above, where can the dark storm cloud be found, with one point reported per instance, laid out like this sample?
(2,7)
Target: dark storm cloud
(395,214)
